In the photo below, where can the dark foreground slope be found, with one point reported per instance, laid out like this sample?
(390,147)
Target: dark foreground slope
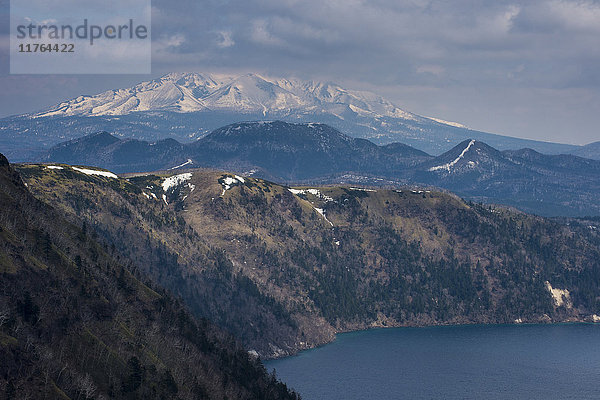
(75,323)
(284,269)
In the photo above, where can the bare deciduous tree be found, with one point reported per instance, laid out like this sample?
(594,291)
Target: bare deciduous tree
(87,387)
(4,315)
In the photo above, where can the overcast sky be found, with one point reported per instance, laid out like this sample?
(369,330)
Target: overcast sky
(529,69)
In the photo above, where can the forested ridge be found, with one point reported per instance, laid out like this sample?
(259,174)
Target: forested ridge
(77,321)
(285,269)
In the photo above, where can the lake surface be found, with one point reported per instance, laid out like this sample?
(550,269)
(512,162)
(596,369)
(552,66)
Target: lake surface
(458,362)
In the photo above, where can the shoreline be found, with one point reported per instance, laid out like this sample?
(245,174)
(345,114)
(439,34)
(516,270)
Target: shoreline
(589,320)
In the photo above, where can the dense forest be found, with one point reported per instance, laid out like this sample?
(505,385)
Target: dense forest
(78,322)
(285,269)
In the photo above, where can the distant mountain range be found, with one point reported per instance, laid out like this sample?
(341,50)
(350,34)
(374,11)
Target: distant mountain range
(591,150)
(317,153)
(187,106)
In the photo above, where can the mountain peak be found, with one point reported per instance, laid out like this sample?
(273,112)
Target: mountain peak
(99,138)
(189,105)
(466,156)
(279,131)
(247,93)
(465,146)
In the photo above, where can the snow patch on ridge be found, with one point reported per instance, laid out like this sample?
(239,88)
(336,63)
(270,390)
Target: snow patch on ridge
(315,192)
(175,180)
(228,182)
(96,172)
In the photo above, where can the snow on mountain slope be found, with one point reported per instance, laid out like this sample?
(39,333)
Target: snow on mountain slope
(188,106)
(452,163)
(251,93)
(172,92)
(472,158)
(455,124)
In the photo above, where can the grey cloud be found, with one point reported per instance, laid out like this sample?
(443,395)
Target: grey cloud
(460,46)
(475,42)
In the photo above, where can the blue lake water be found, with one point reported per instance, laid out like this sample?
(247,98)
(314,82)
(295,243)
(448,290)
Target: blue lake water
(457,362)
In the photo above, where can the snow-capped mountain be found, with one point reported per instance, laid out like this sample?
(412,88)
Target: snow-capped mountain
(187,106)
(249,93)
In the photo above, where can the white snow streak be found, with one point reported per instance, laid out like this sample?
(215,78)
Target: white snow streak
(96,172)
(455,124)
(189,161)
(322,212)
(363,190)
